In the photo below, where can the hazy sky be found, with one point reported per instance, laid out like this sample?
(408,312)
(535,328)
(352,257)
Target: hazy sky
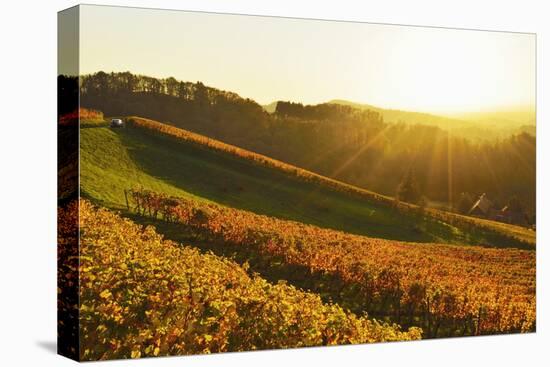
(269,59)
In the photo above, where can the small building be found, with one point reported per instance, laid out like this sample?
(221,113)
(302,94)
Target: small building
(483,207)
(508,215)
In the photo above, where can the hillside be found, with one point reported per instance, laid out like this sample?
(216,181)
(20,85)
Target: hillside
(180,163)
(116,160)
(513,117)
(350,144)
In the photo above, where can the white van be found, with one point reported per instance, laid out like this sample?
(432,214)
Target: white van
(117,123)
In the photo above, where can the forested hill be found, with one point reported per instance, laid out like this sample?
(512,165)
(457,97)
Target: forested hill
(351,144)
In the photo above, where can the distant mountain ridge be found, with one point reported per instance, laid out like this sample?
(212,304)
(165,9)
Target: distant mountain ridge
(396,116)
(475,125)
(511,117)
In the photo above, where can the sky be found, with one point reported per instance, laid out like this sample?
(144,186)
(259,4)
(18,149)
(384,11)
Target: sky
(314,61)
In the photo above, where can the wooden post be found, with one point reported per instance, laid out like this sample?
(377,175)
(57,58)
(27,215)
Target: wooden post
(126,197)
(429,317)
(478,329)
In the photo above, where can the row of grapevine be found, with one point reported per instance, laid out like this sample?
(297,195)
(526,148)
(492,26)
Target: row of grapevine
(521,236)
(141,295)
(446,289)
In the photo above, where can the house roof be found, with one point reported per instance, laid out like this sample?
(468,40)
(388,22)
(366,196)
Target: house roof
(483,204)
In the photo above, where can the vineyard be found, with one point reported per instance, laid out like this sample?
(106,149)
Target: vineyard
(141,295)
(223,249)
(445,289)
(511,235)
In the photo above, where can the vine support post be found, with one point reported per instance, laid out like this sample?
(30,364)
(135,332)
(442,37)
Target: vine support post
(478,326)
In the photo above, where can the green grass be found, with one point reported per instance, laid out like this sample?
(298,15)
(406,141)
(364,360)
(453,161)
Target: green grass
(107,169)
(113,160)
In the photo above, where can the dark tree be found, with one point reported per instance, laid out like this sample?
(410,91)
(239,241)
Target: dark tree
(515,205)
(408,188)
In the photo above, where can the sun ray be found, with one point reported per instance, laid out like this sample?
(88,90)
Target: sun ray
(361,150)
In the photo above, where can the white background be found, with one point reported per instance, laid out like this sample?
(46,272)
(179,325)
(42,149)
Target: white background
(28,182)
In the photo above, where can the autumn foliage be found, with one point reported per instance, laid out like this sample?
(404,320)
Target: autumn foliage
(447,290)
(142,296)
(72,118)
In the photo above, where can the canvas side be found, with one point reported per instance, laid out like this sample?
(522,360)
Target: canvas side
(67,185)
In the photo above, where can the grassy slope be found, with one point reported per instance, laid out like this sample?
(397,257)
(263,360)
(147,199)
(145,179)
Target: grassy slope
(488,231)
(114,160)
